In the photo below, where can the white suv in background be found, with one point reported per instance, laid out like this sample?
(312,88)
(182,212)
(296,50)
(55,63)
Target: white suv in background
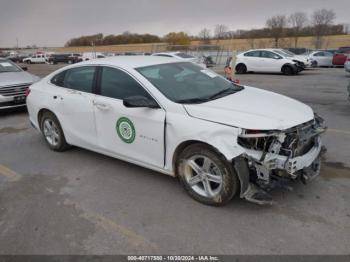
(35,59)
(265,60)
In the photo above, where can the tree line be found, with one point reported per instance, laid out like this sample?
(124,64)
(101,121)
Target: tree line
(319,24)
(295,25)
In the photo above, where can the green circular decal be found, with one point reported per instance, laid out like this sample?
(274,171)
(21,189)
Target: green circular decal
(126,130)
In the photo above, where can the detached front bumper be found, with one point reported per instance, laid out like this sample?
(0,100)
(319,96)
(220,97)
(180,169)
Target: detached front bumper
(274,159)
(282,163)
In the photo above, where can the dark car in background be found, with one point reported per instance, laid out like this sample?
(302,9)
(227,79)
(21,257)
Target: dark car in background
(17,58)
(341,55)
(64,58)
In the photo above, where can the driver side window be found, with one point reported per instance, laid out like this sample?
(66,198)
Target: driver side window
(118,84)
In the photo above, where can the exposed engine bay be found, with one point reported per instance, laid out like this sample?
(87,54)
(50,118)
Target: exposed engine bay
(275,157)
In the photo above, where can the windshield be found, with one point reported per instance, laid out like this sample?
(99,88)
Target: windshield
(8,66)
(288,52)
(188,83)
(282,53)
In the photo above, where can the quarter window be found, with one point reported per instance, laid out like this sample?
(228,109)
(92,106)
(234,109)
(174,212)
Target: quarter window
(58,79)
(80,78)
(117,84)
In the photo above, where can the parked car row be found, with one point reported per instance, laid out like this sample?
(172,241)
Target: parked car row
(327,57)
(286,62)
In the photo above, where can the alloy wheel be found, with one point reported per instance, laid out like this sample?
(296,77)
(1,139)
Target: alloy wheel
(203,176)
(51,132)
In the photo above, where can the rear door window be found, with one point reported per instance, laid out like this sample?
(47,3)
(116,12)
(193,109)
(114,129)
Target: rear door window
(268,54)
(118,84)
(80,79)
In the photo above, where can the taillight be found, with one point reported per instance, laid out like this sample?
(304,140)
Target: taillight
(27,91)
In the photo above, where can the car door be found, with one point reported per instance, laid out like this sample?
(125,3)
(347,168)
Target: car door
(271,62)
(319,57)
(40,58)
(133,133)
(35,59)
(252,60)
(72,96)
(328,57)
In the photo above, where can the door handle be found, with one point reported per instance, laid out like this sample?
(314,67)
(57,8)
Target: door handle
(57,97)
(101,106)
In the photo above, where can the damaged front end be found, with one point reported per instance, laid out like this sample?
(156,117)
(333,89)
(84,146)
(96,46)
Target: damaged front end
(273,158)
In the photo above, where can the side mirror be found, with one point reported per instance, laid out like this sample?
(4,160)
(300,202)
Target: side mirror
(139,101)
(24,68)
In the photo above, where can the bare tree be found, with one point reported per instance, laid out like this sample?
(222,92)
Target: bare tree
(220,31)
(321,20)
(298,21)
(204,35)
(277,25)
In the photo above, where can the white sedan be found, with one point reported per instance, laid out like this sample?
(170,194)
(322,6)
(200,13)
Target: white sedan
(267,61)
(321,58)
(179,119)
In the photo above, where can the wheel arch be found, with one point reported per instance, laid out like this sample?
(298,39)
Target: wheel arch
(181,147)
(239,163)
(216,147)
(41,113)
(287,64)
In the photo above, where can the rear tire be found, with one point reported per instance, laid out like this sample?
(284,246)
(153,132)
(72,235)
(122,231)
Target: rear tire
(206,175)
(29,62)
(53,133)
(241,69)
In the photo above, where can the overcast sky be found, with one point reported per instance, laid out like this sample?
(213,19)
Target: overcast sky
(53,22)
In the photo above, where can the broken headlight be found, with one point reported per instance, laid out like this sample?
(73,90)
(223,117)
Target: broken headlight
(259,140)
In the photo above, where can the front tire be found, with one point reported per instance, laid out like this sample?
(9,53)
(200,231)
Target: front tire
(53,133)
(206,175)
(288,70)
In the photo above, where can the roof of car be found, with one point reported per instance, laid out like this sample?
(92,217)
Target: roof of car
(168,53)
(131,61)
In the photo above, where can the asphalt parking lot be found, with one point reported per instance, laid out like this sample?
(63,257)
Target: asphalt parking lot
(80,202)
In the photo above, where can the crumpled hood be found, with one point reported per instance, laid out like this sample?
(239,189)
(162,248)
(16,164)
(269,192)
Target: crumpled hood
(17,78)
(253,108)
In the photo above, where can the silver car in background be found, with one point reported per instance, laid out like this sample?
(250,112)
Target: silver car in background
(14,82)
(321,58)
(347,65)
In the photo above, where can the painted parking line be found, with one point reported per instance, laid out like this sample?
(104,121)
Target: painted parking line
(119,230)
(8,173)
(345,132)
